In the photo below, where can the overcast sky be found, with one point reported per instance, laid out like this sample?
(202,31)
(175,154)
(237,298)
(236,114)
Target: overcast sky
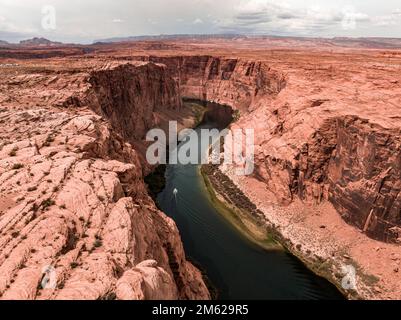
(88,20)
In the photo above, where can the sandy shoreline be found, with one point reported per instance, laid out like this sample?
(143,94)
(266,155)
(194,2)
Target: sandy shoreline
(248,226)
(321,239)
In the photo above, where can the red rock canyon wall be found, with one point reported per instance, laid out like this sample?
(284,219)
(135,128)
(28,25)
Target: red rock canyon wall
(73,198)
(349,161)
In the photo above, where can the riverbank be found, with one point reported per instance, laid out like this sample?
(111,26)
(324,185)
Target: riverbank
(229,198)
(240,230)
(241,214)
(317,236)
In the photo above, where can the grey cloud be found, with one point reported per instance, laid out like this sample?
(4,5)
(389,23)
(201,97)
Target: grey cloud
(252,19)
(251,16)
(85,21)
(14,36)
(287,15)
(265,16)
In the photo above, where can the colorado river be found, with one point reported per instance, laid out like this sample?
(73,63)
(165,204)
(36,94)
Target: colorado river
(237,267)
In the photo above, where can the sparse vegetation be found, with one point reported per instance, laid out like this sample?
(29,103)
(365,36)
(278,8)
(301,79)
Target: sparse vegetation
(97,243)
(110,296)
(48,203)
(17,166)
(15,234)
(236,115)
(48,141)
(244,215)
(13,152)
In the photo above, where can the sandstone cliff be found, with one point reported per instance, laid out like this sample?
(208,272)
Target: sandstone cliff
(315,153)
(306,146)
(234,82)
(129,96)
(76,221)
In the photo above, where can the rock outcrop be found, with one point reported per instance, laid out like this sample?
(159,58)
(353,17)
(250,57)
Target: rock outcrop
(38,42)
(75,218)
(344,158)
(129,96)
(234,82)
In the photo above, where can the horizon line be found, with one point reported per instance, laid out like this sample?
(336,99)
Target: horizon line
(178,35)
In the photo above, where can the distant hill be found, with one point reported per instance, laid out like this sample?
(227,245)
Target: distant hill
(368,42)
(168,37)
(39,42)
(3,43)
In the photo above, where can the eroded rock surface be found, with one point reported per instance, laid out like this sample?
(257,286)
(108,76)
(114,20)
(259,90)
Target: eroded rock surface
(238,83)
(75,218)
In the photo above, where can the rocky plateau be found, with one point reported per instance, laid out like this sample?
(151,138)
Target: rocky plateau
(328,161)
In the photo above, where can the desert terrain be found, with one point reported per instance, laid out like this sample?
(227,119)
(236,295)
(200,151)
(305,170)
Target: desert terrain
(327,126)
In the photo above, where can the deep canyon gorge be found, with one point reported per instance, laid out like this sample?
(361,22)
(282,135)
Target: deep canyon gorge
(72,167)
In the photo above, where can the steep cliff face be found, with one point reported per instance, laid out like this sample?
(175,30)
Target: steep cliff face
(365,178)
(346,160)
(234,82)
(314,154)
(76,221)
(129,96)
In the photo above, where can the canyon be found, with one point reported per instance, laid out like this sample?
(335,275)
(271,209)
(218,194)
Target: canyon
(321,166)
(328,162)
